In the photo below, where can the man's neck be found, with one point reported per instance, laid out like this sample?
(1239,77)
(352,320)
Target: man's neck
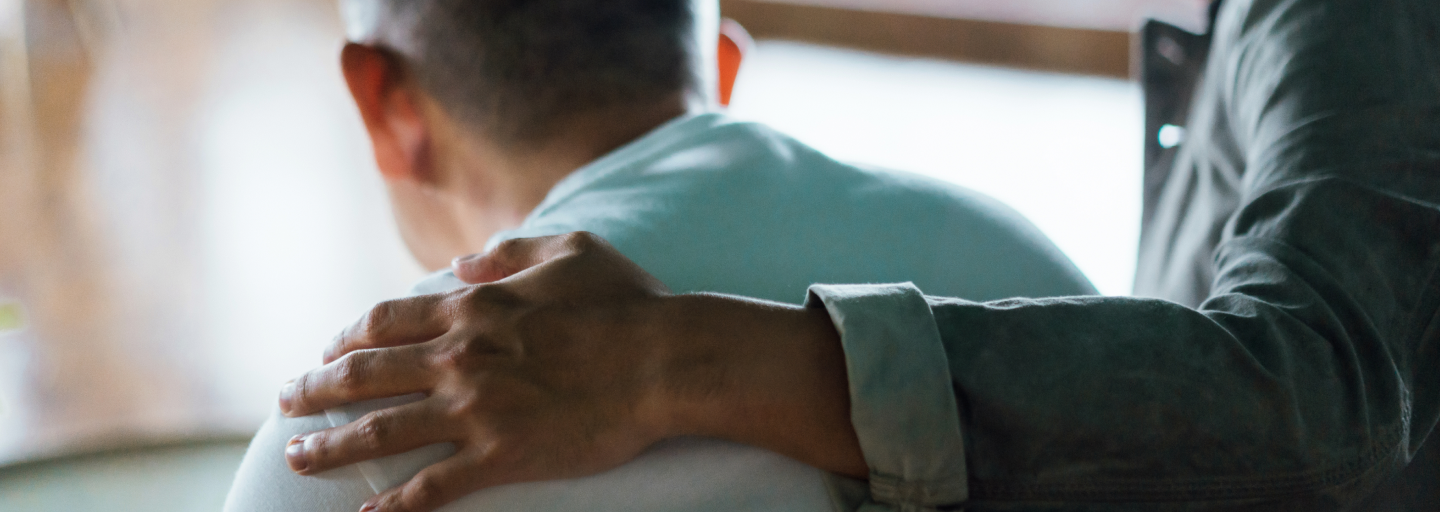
(514,180)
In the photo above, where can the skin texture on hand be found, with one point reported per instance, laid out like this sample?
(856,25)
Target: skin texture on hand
(569,362)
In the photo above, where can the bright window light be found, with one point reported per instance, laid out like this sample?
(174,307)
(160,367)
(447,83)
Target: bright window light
(1063,150)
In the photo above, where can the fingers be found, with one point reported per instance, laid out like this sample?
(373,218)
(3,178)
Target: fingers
(378,434)
(391,324)
(514,256)
(432,488)
(363,375)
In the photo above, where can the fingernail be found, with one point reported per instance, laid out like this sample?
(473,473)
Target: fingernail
(369,507)
(295,454)
(287,393)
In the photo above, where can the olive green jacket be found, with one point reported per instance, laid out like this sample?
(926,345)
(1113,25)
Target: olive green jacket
(1296,365)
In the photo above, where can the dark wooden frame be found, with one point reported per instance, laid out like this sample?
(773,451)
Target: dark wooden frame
(1047,48)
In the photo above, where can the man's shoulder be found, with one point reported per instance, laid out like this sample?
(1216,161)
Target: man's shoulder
(736,159)
(740,208)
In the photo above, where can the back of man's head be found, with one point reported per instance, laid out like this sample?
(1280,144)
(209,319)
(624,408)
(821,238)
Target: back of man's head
(518,69)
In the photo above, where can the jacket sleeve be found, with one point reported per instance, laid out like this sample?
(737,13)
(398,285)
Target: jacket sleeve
(901,400)
(1311,373)
(1304,380)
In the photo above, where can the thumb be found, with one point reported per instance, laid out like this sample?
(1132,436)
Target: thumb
(517,255)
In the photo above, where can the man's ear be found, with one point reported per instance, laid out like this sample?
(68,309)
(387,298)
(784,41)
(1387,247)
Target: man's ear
(735,42)
(390,108)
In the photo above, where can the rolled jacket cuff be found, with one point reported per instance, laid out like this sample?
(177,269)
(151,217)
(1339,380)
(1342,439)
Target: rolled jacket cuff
(902,400)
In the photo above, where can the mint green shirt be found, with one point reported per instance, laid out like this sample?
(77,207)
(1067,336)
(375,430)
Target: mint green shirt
(706,203)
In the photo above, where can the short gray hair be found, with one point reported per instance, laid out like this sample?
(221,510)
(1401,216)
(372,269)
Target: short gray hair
(514,69)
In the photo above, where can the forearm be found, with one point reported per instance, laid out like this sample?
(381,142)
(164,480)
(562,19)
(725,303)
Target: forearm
(1284,387)
(1275,393)
(765,374)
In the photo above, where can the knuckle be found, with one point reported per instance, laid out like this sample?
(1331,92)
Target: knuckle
(424,490)
(509,247)
(504,256)
(467,407)
(301,396)
(351,372)
(453,358)
(471,296)
(377,318)
(487,297)
(340,342)
(582,241)
(373,432)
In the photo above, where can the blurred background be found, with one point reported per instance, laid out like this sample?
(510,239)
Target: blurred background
(189,212)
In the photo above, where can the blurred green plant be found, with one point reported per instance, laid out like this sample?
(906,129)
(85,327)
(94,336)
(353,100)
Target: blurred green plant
(11,317)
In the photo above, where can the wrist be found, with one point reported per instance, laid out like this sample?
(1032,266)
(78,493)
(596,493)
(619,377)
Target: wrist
(760,373)
(693,365)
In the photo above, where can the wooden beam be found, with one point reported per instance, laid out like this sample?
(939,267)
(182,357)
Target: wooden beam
(1111,15)
(1047,48)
